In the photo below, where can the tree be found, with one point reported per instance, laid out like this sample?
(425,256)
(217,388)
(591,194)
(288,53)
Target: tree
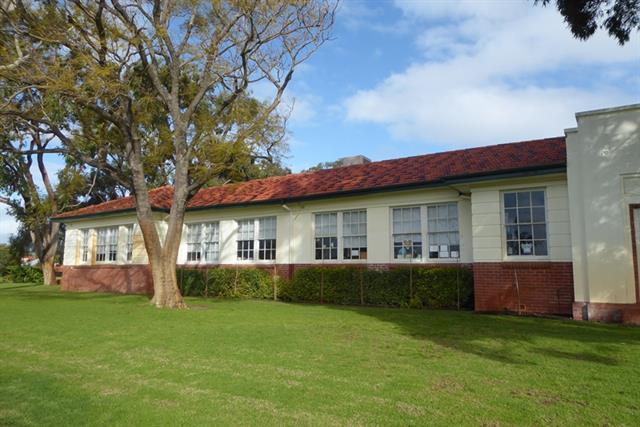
(163,80)
(325,165)
(24,147)
(619,17)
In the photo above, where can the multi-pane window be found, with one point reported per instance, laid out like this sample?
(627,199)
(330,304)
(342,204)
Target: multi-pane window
(107,244)
(203,242)
(354,234)
(525,223)
(129,242)
(267,238)
(211,236)
(442,223)
(245,240)
(326,235)
(84,245)
(194,242)
(407,233)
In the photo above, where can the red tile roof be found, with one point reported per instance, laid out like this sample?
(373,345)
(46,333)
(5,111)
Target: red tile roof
(386,174)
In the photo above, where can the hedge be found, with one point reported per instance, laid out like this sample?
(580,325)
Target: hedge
(226,283)
(443,287)
(24,274)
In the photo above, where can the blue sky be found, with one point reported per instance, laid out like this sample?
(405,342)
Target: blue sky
(402,78)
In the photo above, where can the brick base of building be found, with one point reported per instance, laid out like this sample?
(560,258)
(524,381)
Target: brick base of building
(528,288)
(122,279)
(607,312)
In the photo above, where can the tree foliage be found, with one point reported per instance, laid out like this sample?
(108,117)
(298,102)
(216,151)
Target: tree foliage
(145,89)
(619,17)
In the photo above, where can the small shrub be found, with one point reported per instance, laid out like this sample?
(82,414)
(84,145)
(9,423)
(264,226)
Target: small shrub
(225,282)
(24,274)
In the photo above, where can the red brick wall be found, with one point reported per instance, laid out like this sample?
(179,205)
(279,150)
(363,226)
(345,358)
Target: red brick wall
(123,279)
(607,312)
(545,287)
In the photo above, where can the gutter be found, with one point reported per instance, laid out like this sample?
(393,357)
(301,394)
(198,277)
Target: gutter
(443,182)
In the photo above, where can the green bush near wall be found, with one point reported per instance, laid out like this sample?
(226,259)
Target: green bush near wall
(24,274)
(444,287)
(225,283)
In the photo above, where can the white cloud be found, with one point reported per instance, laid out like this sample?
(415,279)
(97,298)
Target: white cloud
(494,72)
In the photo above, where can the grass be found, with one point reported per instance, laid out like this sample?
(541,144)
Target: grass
(98,359)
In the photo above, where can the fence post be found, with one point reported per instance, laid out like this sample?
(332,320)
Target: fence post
(275,282)
(235,282)
(321,285)
(361,287)
(206,283)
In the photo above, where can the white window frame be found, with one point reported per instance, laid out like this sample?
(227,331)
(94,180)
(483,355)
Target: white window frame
(85,245)
(503,228)
(340,259)
(448,253)
(271,240)
(108,244)
(337,237)
(424,234)
(343,236)
(256,240)
(128,248)
(202,242)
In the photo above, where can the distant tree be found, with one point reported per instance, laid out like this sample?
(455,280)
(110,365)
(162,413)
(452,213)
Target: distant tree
(325,165)
(166,82)
(22,149)
(619,17)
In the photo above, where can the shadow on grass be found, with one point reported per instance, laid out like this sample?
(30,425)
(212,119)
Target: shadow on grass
(506,338)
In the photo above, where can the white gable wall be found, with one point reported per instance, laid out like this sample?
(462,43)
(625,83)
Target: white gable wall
(604,180)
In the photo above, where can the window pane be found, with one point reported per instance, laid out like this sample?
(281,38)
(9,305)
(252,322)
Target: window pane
(513,248)
(524,215)
(511,216)
(267,228)
(540,247)
(510,200)
(512,232)
(410,222)
(537,198)
(526,247)
(524,232)
(326,224)
(538,215)
(540,231)
(407,246)
(524,198)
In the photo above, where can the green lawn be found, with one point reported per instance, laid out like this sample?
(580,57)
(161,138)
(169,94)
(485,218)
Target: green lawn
(76,359)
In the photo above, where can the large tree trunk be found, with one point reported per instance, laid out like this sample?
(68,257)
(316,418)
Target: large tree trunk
(162,259)
(45,242)
(48,271)
(166,293)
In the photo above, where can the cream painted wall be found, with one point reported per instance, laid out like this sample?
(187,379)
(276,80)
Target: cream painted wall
(480,224)
(73,239)
(296,220)
(604,179)
(488,231)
